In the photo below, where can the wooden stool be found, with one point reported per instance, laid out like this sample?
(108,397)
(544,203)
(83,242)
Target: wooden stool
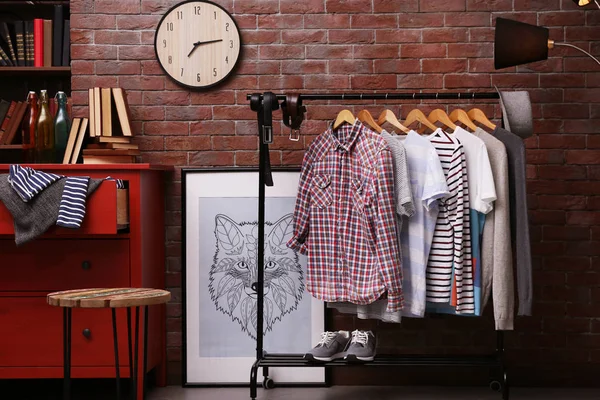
(113,299)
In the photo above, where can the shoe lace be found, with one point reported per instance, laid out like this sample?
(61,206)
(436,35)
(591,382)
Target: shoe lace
(326,339)
(360,337)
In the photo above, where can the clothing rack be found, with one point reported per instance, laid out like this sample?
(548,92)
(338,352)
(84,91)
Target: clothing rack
(264,105)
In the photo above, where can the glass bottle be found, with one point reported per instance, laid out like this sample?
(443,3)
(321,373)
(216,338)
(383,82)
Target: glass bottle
(44,138)
(62,127)
(29,127)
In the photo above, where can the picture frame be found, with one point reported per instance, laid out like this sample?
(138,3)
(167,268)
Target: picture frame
(219,233)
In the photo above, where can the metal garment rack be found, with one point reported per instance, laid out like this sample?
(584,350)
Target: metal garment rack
(264,105)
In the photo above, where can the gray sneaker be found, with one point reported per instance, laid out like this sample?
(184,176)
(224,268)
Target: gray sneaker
(362,347)
(331,346)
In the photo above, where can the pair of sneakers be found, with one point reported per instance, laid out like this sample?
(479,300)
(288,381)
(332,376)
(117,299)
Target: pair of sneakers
(356,347)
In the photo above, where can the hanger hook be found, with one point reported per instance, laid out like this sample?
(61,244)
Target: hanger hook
(437,96)
(459,95)
(473,97)
(386,96)
(361,96)
(343,96)
(414,94)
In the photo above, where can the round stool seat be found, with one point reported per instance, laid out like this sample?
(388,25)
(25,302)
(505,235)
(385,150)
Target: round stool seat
(108,298)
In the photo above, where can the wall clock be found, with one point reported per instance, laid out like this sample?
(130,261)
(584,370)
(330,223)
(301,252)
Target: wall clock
(197,44)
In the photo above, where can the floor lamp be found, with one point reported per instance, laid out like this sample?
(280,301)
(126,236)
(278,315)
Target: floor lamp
(518,43)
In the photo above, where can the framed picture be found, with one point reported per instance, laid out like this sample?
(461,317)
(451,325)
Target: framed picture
(220,230)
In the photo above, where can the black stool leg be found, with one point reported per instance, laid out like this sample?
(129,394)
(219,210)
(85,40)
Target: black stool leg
(130,347)
(136,352)
(145,363)
(115,338)
(67,353)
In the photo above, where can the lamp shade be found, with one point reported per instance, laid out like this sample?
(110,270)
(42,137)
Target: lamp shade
(582,3)
(518,43)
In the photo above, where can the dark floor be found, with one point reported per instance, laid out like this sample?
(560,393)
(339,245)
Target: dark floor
(104,390)
(372,392)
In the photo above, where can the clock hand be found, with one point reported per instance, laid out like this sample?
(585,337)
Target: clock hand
(201,43)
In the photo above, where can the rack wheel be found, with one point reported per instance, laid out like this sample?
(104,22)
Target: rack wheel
(268,383)
(496,386)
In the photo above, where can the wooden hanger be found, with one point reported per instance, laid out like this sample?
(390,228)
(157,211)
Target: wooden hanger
(344,116)
(365,117)
(439,115)
(389,117)
(417,115)
(460,115)
(477,115)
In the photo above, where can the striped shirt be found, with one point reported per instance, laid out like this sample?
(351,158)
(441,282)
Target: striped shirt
(28,183)
(449,268)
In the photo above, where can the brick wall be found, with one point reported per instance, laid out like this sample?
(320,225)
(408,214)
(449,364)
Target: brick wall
(364,45)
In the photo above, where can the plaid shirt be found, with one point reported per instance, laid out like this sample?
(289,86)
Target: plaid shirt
(345,220)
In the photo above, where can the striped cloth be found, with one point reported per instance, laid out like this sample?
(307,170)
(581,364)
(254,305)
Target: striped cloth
(28,183)
(450,266)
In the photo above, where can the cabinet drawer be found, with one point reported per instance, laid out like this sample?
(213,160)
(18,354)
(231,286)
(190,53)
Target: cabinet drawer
(31,335)
(100,217)
(53,265)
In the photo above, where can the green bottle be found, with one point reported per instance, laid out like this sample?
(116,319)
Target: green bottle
(44,133)
(62,127)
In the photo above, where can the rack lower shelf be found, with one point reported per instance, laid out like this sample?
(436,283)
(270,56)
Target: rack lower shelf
(297,360)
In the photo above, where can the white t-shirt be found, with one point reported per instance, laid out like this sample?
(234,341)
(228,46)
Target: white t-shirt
(482,191)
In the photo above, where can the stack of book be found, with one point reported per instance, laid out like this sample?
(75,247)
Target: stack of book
(36,43)
(110,131)
(11,115)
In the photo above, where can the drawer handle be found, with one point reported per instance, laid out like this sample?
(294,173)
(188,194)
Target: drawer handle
(86,265)
(87,333)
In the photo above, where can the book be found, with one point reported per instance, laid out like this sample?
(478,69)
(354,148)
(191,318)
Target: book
(47,43)
(20,40)
(113,139)
(29,43)
(5,33)
(97,112)
(15,122)
(6,120)
(66,47)
(106,112)
(5,57)
(3,108)
(71,141)
(38,42)
(79,142)
(110,152)
(122,110)
(91,112)
(130,146)
(57,35)
(108,159)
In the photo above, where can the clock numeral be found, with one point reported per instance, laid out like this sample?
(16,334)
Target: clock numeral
(179,14)
(164,43)
(214,72)
(215,15)
(227,59)
(170,60)
(231,44)
(181,71)
(227,27)
(198,77)
(197,10)
(169,26)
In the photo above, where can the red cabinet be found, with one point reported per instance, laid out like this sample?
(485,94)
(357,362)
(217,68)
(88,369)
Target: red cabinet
(99,254)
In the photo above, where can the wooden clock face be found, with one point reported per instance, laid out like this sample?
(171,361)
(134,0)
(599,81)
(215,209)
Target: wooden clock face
(197,44)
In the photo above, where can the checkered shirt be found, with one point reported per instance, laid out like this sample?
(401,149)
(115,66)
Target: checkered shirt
(345,220)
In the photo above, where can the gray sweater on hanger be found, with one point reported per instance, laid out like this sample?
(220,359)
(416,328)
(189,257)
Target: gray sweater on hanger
(515,150)
(497,277)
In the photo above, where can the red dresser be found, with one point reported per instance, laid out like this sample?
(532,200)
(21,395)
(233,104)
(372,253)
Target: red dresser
(99,254)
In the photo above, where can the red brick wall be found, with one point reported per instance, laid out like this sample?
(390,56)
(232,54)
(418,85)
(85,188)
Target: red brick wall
(408,45)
